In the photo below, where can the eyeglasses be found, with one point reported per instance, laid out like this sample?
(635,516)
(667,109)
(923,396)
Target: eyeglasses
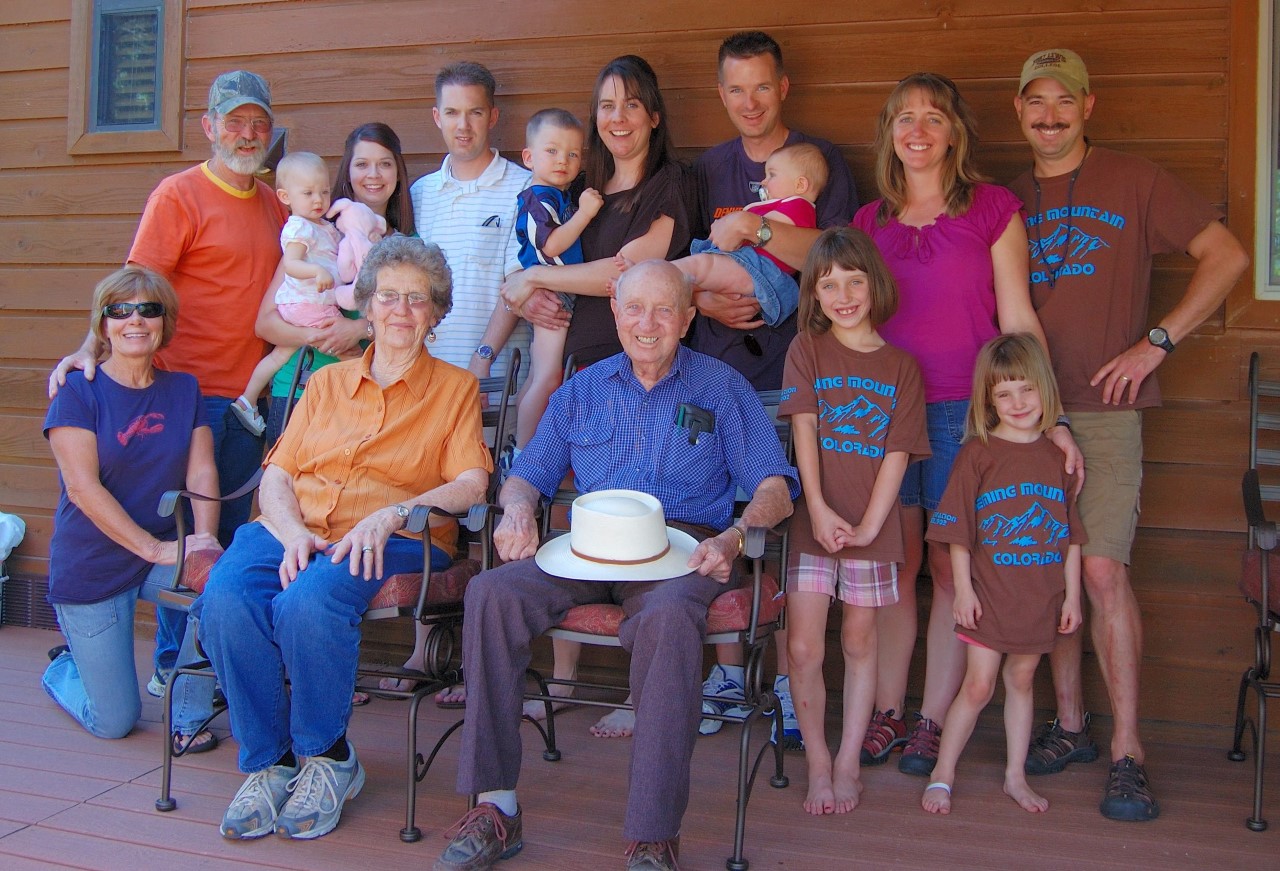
(236,125)
(118,311)
(391,297)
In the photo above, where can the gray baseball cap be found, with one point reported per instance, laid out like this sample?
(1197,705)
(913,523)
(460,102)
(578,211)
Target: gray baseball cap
(239,88)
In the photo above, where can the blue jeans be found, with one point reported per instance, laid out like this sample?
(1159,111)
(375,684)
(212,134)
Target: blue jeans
(97,681)
(925,481)
(238,454)
(256,634)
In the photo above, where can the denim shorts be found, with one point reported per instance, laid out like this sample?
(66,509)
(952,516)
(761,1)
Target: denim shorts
(924,482)
(776,291)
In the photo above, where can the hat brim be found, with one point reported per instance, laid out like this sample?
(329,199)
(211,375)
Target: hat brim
(556,558)
(230,105)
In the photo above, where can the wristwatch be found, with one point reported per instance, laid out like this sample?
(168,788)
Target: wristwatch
(484,352)
(1159,337)
(765,233)
(402,512)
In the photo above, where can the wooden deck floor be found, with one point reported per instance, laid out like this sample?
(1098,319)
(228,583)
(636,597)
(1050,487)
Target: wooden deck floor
(68,800)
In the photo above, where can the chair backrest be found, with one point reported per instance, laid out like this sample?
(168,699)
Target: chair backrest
(501,390)
(1264,430)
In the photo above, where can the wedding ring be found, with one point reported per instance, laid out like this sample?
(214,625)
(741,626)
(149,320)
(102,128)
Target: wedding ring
(366,549)
(1124,377)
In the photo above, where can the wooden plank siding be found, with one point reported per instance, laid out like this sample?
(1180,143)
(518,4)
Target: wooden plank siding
(1175,83)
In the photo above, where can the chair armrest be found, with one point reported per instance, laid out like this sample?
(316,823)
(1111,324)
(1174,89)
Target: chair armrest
(168,508)
(1264,531)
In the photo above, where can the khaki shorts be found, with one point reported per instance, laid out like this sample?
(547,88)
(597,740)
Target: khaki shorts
(1111,442)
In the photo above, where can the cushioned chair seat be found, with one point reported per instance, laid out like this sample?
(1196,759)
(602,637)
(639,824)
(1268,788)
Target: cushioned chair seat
(1250,582)
(730,612)
(198,563)
(401,591)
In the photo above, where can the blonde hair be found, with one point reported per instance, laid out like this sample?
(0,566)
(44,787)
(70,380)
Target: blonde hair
(846,248)
(809,163)
(960,173)
(1012,357)
(293,165)
(122,286)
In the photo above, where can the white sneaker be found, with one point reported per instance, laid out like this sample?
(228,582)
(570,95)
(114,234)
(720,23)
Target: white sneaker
(725,691)
(319,791)
(253,812)
(791,738)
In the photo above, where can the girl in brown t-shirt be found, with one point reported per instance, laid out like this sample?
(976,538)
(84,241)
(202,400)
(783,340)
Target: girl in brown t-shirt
(857,410)
(1009,515)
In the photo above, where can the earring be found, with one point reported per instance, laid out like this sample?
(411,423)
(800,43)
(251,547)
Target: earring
(431,335)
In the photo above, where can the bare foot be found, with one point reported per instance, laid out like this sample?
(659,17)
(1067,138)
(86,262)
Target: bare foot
(821,798)
(359,699)
(1027,798)
(452,697)
(620,723)
(536,710)
(937,798)
(846,786)
(392,685)
(622,264)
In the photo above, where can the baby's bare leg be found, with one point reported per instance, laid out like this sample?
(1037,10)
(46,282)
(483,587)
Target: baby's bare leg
(718,273)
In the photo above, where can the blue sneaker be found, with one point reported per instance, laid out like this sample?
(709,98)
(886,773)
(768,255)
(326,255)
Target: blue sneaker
(791,738)
(318,793)
(254,810)
(724,692)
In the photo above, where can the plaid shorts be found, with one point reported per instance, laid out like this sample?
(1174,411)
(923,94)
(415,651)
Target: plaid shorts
(865,583)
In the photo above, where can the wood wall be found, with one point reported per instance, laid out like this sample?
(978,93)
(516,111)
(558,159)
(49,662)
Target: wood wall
(1174,80)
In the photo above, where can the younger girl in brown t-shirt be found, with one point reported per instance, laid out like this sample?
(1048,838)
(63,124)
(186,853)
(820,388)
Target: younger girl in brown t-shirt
(1009,516)
(857,411)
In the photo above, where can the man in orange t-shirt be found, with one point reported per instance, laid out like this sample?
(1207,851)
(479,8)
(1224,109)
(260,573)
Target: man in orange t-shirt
(213,230)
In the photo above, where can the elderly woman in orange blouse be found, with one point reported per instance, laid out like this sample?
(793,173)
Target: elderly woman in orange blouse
(372,438)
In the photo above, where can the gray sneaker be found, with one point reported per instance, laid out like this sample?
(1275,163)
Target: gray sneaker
(155,686)
(318,793)
(253,812)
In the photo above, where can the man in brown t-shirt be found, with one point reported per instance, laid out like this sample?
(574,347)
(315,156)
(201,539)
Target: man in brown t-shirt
(1095,218)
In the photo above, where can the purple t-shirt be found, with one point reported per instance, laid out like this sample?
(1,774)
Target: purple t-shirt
(143,438)
(727,181)
(946,287)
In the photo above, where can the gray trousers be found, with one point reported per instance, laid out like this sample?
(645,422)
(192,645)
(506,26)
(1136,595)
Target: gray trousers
(663,629)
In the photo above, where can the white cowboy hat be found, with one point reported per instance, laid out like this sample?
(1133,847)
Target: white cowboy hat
(617,535)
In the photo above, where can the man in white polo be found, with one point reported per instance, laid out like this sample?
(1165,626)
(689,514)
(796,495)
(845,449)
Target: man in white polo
(468,208)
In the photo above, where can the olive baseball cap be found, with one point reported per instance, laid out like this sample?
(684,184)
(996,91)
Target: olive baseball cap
(239,88)
(1060,64)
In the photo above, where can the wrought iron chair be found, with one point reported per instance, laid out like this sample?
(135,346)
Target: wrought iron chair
(1256,584)
(748,615)
(433,599)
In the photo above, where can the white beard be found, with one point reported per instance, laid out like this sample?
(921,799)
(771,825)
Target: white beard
(241,164)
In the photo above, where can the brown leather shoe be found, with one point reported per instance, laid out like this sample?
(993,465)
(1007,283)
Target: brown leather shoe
(482,837)
(654,855)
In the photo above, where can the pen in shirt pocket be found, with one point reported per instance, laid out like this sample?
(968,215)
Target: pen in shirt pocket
(492,221)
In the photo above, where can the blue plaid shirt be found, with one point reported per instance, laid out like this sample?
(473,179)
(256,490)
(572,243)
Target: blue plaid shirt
(612,432)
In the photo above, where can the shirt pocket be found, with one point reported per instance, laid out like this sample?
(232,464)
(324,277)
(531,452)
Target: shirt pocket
(487,247)
(701,462)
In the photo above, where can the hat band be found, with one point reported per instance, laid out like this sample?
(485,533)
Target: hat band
(621,562)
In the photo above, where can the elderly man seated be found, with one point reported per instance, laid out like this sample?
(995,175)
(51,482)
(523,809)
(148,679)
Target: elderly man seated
(627,422)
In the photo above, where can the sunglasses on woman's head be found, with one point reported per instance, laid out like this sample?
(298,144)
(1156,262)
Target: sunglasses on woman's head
(118,311)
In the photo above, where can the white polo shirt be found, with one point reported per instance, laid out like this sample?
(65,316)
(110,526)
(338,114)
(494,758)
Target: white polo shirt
(473,222)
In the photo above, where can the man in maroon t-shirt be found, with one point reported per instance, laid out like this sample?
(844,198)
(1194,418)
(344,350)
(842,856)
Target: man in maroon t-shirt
(1094,219)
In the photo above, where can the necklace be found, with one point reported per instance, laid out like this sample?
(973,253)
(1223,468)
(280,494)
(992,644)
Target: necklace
(1052,272)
